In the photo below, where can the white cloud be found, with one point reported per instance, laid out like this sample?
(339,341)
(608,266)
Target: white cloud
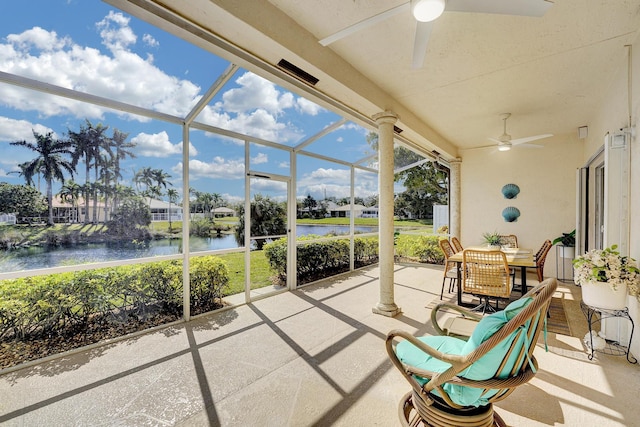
(335,182)
(258,123)
(150,40)
(268,187)
(115,31)
(17,130)
(43,55)
(39,39)
(255,93)
(158,145)
(218,168)
(259,158)
(307,107)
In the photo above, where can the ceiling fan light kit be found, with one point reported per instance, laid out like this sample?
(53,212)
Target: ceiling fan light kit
(427,10)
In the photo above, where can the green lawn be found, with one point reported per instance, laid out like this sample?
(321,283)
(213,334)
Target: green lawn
(260,271)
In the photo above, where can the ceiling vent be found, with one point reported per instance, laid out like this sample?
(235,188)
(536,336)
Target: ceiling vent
(297,72)
(396,129)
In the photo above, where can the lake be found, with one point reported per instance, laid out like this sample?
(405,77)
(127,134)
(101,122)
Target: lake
(42,257)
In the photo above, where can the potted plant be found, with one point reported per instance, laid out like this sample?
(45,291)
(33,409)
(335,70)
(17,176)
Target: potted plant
(492,240)
(606,278)
(567,244)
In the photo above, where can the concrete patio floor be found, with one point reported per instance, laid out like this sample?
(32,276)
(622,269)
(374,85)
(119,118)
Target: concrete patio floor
(311,357)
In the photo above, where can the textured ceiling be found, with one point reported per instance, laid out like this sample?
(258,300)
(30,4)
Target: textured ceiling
(549,72)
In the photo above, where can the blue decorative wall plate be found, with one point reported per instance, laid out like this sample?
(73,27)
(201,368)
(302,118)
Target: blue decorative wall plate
(510,191)
(510,214)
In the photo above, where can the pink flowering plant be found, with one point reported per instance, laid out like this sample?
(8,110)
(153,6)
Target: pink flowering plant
(607,265)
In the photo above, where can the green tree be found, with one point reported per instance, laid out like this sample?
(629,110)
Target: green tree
(87,144)
(70,193)
(172,194)
(50,161)
(22,200)
(425,184)
(309,202)
(120,148)
(132,215)
(268,218)
(28,174)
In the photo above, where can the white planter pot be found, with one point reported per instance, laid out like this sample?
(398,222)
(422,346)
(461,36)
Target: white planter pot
(601,295)
(493,247)
(566,251)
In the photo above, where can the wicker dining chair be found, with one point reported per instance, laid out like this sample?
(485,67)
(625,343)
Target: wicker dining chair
(450,267)
(509,241)
(540,258)
(457,246)
(456,382)
(486,274)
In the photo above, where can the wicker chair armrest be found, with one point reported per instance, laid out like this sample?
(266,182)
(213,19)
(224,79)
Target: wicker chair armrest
(460,310)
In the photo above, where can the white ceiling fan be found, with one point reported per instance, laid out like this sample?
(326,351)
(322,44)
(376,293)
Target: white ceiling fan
(426,12)
(505,142)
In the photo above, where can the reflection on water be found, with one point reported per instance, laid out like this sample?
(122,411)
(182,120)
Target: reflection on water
(41,257)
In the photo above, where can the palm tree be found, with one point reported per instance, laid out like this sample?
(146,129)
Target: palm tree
(87,144)
(144,177)
(172,194)
(49,161)
(107,175)
(28,175)
(160,178)
(70,193)
(206,199)
(120,152)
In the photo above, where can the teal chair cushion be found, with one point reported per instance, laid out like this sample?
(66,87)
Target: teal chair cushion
(484,368)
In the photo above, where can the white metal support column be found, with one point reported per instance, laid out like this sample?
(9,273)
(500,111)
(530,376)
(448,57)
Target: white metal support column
(386,305)
(454,197)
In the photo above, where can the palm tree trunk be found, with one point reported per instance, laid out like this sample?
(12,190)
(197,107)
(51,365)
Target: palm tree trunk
(50,201)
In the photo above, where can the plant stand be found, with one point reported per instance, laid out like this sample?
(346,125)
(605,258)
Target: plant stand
(594,316)
(562,255)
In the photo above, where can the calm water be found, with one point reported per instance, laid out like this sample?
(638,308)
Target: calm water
(38,257)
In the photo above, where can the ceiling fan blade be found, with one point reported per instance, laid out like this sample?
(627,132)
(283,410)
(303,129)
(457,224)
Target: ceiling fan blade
(420,42)
(536,8)
(365,23)
(530,138)
(478,148)
(497,141)
(530,146)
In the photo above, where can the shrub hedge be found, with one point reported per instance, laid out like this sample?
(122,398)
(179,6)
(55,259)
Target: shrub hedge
(319,259)
(48,305)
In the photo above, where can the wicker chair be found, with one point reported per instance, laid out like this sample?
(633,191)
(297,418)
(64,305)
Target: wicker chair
(509,241)
(486,275)
(450,268)
(540,257)
(456,382)
(457,246)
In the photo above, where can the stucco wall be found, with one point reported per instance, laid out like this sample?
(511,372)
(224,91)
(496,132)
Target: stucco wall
(613,115)
(547,179)
(547,200)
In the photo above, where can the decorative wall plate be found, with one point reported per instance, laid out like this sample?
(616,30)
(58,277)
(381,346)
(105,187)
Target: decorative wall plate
(510,214)
(510,191)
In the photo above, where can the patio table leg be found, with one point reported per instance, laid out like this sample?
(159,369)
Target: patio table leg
(523,279)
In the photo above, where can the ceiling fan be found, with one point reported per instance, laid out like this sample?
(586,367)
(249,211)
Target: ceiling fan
(505,142)
(426,12)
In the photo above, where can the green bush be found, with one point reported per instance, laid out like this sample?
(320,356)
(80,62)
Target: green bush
(423,248)
(50,305)
(316,260)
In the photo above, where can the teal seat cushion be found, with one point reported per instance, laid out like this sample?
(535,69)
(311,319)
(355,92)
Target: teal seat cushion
(484,368)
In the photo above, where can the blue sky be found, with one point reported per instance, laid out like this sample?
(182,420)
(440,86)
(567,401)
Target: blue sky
(91,47)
